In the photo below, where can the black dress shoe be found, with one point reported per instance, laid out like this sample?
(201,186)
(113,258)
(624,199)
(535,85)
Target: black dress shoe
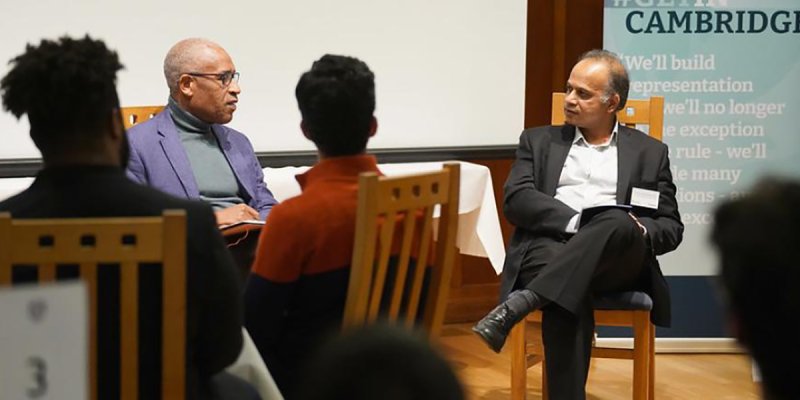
(495,326)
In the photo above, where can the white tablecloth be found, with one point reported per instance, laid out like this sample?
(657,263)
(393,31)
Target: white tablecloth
(12,186)
(478,224)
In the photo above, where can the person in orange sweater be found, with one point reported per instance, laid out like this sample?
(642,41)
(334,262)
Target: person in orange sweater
(296,291)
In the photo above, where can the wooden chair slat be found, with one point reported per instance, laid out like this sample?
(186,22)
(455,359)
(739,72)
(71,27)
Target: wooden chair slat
(409,225)
(129,331)
(426,233)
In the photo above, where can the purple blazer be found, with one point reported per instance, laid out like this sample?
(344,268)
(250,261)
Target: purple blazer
(158,159)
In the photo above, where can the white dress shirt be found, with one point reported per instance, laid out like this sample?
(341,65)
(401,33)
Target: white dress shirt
(589,176)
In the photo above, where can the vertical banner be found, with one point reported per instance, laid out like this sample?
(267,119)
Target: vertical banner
(729,71)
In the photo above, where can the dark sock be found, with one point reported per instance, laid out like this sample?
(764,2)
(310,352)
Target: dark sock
(524,301)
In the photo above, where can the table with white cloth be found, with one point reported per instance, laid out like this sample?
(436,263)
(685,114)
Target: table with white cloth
(479,232)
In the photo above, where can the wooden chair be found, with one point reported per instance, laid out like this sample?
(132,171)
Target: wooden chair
(397,213)
(628,309)
(94,242)
(134,115)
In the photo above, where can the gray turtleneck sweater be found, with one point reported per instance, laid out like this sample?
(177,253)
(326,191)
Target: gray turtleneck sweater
(215,179)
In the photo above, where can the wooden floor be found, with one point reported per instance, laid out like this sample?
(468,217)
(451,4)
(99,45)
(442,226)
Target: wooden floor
(485,374)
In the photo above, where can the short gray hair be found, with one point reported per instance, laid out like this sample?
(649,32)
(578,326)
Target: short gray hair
(618,81)
(182,57)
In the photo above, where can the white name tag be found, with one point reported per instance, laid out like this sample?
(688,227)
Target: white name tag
(644,198)
(43,342)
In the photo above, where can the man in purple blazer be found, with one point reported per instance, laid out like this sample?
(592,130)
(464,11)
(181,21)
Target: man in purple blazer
(186,151)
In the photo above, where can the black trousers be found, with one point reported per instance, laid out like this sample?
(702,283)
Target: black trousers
(606,255)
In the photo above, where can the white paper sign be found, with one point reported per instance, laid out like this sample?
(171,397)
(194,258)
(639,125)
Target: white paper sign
(43,341)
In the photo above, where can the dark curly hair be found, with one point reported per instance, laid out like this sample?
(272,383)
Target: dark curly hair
(68,89)
(337,100)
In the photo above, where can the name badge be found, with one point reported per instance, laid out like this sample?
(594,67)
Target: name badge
(644,198)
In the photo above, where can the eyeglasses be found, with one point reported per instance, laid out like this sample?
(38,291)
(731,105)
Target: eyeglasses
(225,77)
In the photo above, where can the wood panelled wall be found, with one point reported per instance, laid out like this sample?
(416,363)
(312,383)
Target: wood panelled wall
(558,32)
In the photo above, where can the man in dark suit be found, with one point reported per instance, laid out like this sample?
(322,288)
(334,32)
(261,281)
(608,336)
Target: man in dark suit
(558,262)
(67,89)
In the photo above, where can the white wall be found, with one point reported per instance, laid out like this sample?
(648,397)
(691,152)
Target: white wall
(448,72)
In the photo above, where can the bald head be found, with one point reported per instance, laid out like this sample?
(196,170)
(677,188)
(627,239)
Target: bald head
(188,55)
(203,80)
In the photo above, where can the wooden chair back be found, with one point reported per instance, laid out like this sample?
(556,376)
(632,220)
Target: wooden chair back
(92,243)
(397,214)
(637,112)
(134,115)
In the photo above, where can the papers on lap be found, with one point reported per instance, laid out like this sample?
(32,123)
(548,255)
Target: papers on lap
(245,222)
(590,212)
(241,226)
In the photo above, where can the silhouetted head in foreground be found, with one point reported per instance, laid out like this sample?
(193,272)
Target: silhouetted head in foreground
(379,362)
(758,239)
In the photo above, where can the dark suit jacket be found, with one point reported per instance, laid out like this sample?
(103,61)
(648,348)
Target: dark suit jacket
(158,159)
(214,314)
(530,205)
